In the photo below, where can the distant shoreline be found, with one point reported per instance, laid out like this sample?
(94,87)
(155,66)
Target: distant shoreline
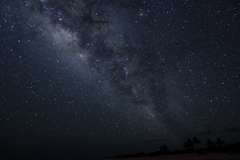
(190,156)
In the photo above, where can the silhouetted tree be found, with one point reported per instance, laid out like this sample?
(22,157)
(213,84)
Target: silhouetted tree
(219,142)
(209,143)
(189,144)
(163,148)
(196,141)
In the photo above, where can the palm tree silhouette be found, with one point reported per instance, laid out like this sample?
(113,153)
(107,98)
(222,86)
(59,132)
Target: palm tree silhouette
(163,148)
(196,141)
(209,143)
(219,142)
(189,145)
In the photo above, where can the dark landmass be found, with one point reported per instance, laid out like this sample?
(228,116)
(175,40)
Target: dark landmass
(231,148)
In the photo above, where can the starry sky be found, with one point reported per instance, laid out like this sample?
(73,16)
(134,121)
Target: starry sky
(95,78)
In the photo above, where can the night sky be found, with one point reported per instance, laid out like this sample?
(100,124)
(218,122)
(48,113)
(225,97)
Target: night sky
(89,79)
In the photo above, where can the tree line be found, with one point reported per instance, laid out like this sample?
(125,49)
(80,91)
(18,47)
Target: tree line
(193,144)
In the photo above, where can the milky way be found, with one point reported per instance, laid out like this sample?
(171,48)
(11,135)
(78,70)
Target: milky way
(90,34)
(120,73)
